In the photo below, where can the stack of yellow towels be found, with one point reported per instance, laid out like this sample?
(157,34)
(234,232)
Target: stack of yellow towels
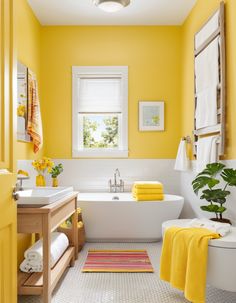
(147,191)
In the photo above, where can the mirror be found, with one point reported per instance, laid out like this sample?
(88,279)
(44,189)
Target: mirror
(22,104)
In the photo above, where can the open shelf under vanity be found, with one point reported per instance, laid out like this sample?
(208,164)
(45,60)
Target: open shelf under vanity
(43,220)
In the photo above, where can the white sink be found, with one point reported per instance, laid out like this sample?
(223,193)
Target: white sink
(42,195)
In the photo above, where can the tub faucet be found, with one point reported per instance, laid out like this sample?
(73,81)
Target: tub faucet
(118,184)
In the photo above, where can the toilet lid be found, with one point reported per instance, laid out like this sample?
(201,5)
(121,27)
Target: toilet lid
(228,241)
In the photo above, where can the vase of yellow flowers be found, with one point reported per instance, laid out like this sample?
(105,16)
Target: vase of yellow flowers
(42,166)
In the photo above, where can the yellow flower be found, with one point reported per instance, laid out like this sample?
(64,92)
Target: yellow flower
(21,110)
(43,164)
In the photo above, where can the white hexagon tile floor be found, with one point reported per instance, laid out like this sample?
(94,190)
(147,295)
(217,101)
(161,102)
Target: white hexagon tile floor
(78,287)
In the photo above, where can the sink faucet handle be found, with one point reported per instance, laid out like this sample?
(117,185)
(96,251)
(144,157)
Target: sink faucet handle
(22,175)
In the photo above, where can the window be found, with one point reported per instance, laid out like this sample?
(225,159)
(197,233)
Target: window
(100,111)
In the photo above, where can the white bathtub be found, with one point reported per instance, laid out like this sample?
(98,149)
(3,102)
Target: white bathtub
(122,220)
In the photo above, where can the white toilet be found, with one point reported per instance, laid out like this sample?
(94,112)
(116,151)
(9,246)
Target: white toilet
(221,272)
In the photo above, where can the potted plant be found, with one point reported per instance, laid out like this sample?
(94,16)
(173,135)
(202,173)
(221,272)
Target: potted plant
(213,182)
(55,172)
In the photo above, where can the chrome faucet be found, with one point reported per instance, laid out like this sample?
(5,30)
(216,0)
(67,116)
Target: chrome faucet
(18,187)
(118,184)
(19,183)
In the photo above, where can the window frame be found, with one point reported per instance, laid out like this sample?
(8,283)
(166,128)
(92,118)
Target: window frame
(100,71)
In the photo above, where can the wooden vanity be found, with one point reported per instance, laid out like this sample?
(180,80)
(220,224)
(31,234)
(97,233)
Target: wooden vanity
(43,220)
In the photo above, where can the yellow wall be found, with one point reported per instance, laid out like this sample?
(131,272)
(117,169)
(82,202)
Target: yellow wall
(28,34)
(153,56)
(202,10)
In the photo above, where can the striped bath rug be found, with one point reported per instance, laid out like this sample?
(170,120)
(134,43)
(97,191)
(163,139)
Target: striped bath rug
(117,261)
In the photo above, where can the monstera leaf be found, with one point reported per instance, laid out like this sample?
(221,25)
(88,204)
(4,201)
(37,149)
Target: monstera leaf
(221,209)
(215,195)
(207,177)
(212,169)
(210,208)
(203,181)
(213,208)
(229,176)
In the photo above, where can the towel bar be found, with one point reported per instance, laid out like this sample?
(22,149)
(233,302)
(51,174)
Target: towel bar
(187,139)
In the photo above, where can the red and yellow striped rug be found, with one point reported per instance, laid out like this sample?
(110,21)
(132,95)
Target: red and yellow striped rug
(117,261)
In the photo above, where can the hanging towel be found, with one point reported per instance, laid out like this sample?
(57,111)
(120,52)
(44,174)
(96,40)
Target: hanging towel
(206,152)
(184,260)
(207,67)
(206,110)
(207,30)
(182,162)
(34,123)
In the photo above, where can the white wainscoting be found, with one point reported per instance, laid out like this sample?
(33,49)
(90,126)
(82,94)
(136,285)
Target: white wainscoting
(192,202)
(93,175)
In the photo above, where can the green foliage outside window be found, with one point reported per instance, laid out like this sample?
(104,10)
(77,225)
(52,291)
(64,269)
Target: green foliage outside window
(108,138)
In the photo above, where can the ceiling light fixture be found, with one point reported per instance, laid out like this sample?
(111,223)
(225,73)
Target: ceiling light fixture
(111,6)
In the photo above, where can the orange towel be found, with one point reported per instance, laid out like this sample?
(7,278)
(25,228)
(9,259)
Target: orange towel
(34,123)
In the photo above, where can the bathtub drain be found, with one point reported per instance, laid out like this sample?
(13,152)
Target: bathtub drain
(115,198)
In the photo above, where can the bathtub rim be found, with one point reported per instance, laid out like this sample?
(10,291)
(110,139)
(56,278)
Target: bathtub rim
(168,198)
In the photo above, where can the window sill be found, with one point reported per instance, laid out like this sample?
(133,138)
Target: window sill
(100,153)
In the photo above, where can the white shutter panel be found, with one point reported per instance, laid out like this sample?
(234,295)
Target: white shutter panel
(99,95)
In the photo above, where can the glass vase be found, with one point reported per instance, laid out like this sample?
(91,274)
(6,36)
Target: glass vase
(40,180)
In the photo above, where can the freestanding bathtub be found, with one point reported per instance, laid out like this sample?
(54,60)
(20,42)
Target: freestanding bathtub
(116,217)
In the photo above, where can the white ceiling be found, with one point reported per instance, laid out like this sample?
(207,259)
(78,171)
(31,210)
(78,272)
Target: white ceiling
(84,12)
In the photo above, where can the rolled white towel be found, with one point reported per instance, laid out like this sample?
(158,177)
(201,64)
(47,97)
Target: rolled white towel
(218,227)
(27,266)
(59,243)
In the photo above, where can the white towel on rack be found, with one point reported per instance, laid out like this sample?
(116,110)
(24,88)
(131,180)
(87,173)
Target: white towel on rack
(206,152)
(182,162)
(27,266)
(207,67)
(34,255)
(206,109)
(207,30)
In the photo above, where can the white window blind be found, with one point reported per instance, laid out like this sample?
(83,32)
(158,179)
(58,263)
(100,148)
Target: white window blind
(100,111)
(99,95)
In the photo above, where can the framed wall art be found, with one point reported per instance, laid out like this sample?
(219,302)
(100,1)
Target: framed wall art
(151,116)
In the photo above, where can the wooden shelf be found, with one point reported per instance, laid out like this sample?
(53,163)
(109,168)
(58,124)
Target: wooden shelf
(32,284)
(43,220)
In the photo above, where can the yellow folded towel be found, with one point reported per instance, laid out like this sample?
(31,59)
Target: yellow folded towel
(143,191)
(184,260)
(146,197)
(148,184)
